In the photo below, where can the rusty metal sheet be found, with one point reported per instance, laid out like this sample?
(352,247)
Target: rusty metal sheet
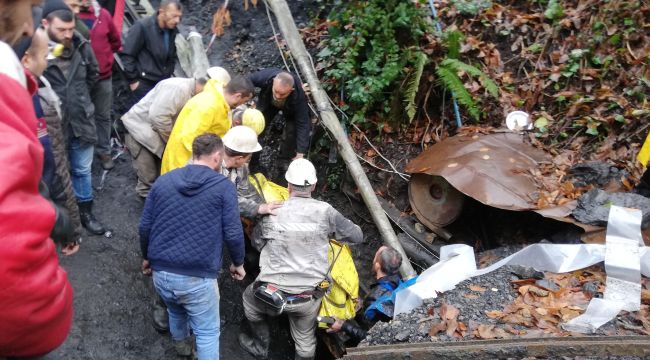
(489,168)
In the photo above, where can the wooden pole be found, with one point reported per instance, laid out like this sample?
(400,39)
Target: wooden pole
(329,118)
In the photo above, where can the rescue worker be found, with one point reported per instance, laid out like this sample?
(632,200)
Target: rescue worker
(149,52)
(378,304)
(72,75)
(36,297)
(282,91)
(293,264)
(205,112)
(253,118)
(149,123)
(105,40)
(239,144)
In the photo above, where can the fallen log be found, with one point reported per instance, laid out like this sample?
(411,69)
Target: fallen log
(191,54)
(330,120)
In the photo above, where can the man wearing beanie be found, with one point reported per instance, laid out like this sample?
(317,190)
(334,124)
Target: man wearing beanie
(72,75)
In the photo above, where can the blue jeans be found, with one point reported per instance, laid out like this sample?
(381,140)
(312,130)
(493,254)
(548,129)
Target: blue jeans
(192,302)
(81,161)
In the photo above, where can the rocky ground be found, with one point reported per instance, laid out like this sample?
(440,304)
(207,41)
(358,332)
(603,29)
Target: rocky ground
(510,302)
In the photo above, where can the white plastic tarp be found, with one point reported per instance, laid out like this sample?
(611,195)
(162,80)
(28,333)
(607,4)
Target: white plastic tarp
(624,255)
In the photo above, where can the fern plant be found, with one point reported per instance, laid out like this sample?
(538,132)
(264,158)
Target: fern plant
(413,85)
(369,51)
(449,68)
(447,72)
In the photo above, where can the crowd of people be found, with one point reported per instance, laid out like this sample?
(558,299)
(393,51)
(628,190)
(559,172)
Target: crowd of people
(191,141)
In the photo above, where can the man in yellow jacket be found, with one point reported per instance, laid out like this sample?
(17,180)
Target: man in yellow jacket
(205,112)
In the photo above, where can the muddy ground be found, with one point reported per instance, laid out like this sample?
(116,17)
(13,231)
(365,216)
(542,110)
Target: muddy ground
(112,317)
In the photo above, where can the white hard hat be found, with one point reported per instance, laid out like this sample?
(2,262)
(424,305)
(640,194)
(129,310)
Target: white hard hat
(242,139)
(301,172)
(220,74)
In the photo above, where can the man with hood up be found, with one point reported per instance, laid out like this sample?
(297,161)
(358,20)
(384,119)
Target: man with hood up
(190,213)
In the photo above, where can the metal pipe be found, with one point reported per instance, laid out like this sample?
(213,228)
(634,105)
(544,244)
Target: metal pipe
(294,41)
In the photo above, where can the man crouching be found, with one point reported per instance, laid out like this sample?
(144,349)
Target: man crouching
(293,263)
(188,215)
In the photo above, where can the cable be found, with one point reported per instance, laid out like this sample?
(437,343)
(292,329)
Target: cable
(453,96)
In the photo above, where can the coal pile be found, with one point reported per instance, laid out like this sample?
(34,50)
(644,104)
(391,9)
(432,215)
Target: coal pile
(469,300)
(510,302)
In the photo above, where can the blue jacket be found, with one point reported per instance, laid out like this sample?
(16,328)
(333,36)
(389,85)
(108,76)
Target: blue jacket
(188,216)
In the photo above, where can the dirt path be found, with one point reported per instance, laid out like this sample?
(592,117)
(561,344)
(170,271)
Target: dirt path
(112,300)
(112,318)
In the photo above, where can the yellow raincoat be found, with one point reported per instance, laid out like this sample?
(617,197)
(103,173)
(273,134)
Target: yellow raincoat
(341,300)
(207,111)
(270,191)
(644,154)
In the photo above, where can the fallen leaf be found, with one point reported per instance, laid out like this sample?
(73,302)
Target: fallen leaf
(448,312)
(436,328)
(470,296)
(494,314)
(537,291)
(645,296)
(477,288)
(461,326)
(452,325)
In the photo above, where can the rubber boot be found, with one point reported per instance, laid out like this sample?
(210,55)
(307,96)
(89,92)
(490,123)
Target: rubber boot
(107,162)
(184,347)
(256,344)
(160,315)
(88,220)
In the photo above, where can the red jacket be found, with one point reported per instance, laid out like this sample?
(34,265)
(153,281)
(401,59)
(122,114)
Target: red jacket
(104,39)
(35,295)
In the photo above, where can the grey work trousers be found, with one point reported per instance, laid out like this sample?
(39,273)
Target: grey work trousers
(102,96)
(302,319)
(145,163)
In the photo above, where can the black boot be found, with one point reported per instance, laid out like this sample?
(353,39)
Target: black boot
(88,220)
(256,344)
(160,315)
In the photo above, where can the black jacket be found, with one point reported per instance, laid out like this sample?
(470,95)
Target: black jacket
(296,108)
(74,90)
(357,330)
(144,55)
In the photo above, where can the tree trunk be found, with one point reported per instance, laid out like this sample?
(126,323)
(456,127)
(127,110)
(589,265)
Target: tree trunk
(329,118)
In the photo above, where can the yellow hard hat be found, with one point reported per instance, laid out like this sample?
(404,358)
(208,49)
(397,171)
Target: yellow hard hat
(254,119)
